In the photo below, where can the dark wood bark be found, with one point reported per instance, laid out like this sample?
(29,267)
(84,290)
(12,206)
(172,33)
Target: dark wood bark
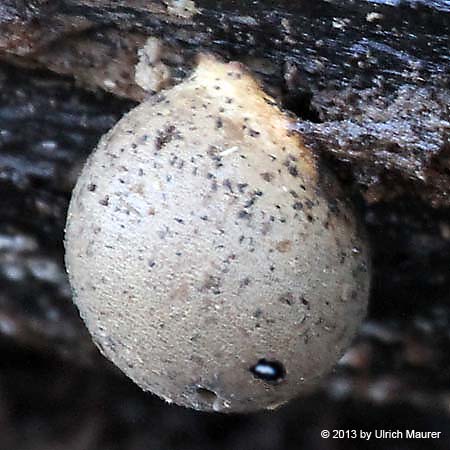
(369,81)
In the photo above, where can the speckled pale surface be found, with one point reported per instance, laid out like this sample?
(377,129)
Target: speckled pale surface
(202,238)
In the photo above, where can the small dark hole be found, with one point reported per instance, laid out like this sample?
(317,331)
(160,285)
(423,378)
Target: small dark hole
(272,371)
(300,103)
(206,395)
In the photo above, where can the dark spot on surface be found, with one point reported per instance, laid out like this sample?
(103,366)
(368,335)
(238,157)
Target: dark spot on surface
(213,153)
(176,162)
(177,219)
(253,133)
(229,258)
(91,187)
(165,136)
(271,371)
(244,282)
(297,206)
(234,75)
(241,187)
(286,298)
(244,215)
(267,176)
(310,218)
(293,171)
(269,101)
(258,313)
(249,202)
(253,199)
(219,123)
(151,263)
(104,201)
(305,302)
(211,283)
(204,218)
(227,184)
(194,338)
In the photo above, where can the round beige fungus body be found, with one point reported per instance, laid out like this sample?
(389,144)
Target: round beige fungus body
(210,257)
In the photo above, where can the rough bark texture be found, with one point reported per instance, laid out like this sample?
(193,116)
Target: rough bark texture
(370,78)
(373,95)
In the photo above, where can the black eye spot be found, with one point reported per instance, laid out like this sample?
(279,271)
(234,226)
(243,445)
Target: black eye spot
(271,371)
